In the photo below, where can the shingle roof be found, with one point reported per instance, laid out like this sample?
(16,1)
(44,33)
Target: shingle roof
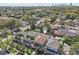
(66,32)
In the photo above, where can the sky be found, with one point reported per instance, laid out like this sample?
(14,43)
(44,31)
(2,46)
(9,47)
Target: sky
(39,1)
(35,2)
(25,4)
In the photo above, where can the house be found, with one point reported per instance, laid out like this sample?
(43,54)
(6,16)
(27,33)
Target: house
(66,32)
(41,39)
(63,17)
(52,46)
(3,34)
(25,26)
(24,23)
(40,22)
(76,23)
(56,26)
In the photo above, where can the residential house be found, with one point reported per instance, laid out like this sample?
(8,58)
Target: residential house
(41,39)
(25,26)
(65,32)
(40,23)
(52,46)
(55,26)
(3,34)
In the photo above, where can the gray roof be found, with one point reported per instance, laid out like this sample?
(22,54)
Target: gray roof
(52,44)
(68,33)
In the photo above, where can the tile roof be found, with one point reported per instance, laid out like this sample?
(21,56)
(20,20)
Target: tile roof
(41,39)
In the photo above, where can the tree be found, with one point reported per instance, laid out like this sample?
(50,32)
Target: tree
(4,22)
(53,18)
(17,23)
(10,23)
(26,18)
(71,16)
(71,40)
(74,48)
(61,43)
(32,25)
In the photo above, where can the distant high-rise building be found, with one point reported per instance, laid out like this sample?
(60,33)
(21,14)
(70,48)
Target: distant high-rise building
(70,4)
